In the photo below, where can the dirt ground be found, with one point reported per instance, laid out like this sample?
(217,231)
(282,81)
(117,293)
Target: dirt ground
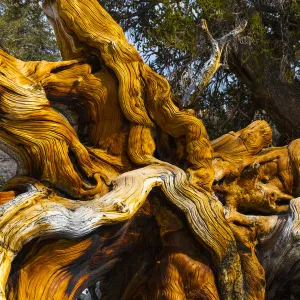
(8,168)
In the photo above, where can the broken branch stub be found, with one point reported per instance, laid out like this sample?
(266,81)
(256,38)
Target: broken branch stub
(210,67)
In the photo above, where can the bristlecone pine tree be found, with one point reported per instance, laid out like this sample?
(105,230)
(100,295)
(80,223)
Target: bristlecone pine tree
(116,184)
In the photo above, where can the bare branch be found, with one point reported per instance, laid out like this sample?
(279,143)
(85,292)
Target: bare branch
(200,82)
(226,38)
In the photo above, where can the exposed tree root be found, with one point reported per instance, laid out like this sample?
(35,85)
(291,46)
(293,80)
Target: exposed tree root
(117,183)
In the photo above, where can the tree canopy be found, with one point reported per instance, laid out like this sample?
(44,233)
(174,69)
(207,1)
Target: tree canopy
(25,31)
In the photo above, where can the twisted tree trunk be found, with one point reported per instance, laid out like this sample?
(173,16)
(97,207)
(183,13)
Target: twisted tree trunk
(117,184)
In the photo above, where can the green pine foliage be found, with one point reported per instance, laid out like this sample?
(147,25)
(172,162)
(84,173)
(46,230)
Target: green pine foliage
(25,32)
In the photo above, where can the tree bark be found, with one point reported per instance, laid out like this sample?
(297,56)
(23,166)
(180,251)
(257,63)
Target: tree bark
(116,183)
(279,98)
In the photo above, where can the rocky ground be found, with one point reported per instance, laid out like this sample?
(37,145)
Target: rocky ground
(8,167)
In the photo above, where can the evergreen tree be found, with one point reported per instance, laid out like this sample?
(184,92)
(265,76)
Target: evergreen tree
(25,31)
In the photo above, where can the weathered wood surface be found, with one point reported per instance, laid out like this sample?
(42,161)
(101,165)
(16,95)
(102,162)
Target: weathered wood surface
(116,183)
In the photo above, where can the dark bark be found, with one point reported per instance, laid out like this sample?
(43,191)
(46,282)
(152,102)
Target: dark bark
(278,98)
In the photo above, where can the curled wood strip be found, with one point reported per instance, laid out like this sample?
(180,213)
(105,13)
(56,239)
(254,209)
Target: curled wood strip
(144,96)
(49,215)
(122,104)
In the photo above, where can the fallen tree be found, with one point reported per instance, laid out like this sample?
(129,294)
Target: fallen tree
(117,184)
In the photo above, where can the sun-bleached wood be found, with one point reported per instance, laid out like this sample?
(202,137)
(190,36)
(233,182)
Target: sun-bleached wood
(212,65)
(116,183)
